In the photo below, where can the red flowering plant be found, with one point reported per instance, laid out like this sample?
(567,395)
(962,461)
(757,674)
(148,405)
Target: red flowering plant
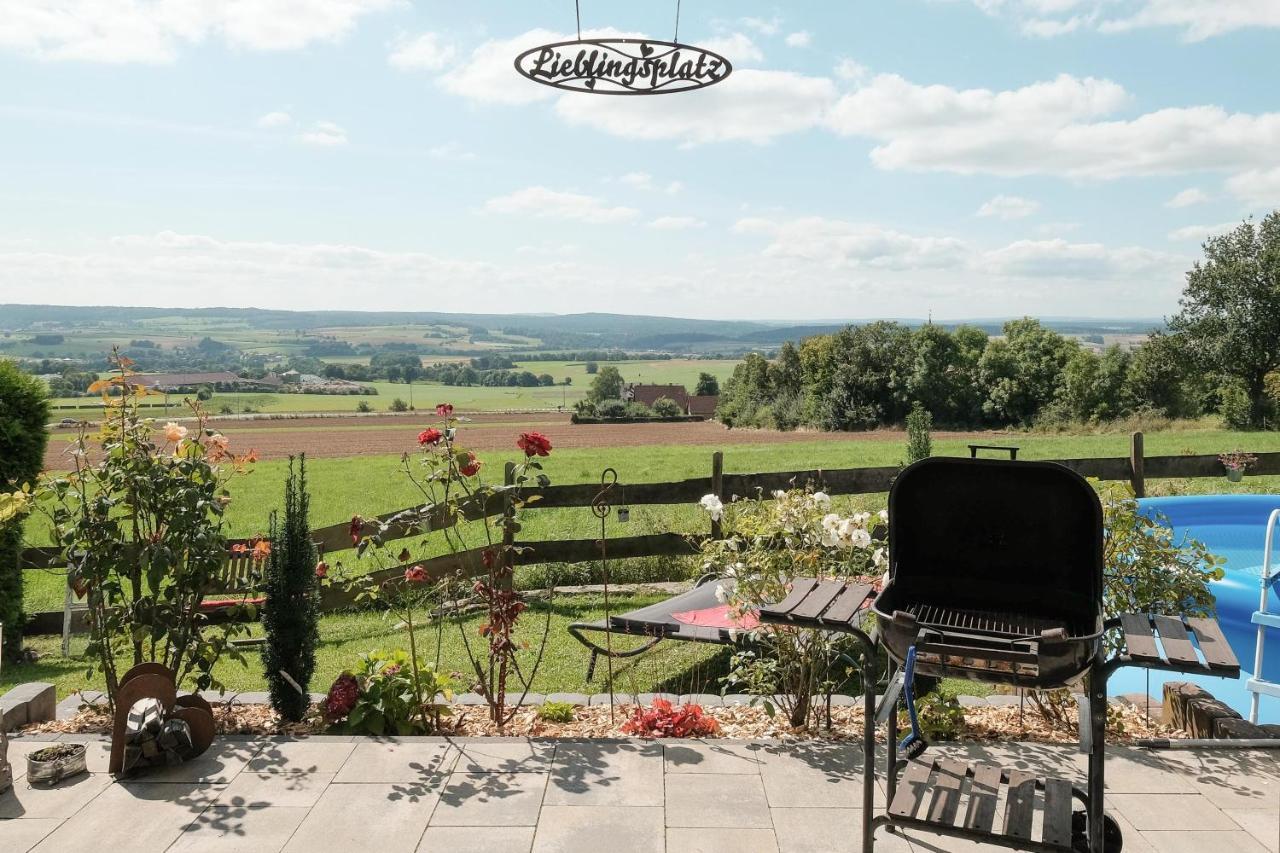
(662,719)
(476,522)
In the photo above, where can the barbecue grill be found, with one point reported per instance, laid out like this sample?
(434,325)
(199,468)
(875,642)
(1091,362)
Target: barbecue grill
(995,571)
(995,575)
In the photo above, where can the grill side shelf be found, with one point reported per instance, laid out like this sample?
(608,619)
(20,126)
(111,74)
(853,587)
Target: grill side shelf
(1176,652)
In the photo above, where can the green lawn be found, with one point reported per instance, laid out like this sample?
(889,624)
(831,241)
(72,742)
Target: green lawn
(371,485)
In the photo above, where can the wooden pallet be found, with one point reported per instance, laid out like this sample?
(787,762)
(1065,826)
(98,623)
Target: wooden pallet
(931,793)
(1175,650)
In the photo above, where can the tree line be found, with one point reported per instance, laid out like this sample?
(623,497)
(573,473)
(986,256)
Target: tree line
(1219,354)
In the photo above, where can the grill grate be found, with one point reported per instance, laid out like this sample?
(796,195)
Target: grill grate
(996,624)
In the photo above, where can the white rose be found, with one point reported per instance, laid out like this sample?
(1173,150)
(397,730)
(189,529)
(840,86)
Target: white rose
(822,499)
(713,506)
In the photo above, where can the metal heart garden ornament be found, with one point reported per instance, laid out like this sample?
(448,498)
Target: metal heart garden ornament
(623,66)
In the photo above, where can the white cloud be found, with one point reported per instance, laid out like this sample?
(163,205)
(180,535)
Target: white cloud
(1187,198)
(425,52)
(122,31)
(765,27)
(758,106)
(644,181)
(738,48)
(275,119)
(1060,259)
(324,134)
(1258,187)
(802,38)
(1058,127)
(1199,233)
(677,223)
(848,69)
(1198,19)
(1009,207)
(838,244)
(544,203)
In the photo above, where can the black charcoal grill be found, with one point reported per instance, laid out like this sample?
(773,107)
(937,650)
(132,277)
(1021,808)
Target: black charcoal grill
(995,571)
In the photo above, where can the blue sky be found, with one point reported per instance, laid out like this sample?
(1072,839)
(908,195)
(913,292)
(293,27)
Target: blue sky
(866,159)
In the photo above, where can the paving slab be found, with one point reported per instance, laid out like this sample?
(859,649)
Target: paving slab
(606,773)
(493,839)
(306,756)
(1202,842)
(426,763)
(133,818)
(711,756)
(1170,812)
(490,755)
(19,836)
(59,801)
(385,818)
(717,800)
(742,840)
(809,830)
(232,829)
(812,775)
(1262,824)
(491,799)
(257,791)
(222,763)
(591,829)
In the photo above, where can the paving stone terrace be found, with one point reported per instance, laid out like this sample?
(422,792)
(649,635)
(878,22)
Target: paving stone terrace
(493,796)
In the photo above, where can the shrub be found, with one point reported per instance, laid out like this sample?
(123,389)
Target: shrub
(398,405)
(144,530)
(557,712)
(1235,407)
(24,410)
(665,407)
(637,410)
(383,697)
(363,406)
(919,441)
(666,720)
(224,409)
(940,717)
(796,666)
(291,617)
(611,409)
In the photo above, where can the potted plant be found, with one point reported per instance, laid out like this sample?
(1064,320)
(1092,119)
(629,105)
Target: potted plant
(57,762)
(1237,462)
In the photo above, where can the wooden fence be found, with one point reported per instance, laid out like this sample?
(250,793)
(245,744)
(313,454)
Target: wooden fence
(1137,468)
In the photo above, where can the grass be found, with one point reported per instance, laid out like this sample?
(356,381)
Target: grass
(370,485)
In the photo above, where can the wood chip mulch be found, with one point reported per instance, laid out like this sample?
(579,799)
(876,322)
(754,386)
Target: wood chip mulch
(1125,724)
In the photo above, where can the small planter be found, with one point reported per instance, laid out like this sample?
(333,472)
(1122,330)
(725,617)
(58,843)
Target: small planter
(1235,475)
(54,763)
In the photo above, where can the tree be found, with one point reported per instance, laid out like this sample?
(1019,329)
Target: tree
(932,382)
(1021,373)
(24,411)
(592,368)
(291,615)
(1229,322)
(665,407)
(919,438)
(1158,379)
(606,386)
(788,372)
(708,385)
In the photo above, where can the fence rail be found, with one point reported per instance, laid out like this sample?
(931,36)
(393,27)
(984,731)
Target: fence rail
(1137,468)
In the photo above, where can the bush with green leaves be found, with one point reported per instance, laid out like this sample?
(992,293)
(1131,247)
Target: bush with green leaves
(767,544)
(557,712)
(140,521)
(665,407)
(24,411)
(390,694)
(291,614)
(919,440)
(398,405)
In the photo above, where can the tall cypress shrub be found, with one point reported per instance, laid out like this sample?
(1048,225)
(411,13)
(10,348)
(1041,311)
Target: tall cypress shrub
(919,437)
(291,613)
(24,412)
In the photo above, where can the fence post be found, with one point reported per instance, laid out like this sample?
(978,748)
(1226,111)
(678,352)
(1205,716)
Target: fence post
(1136,464)
(717,486)
(507,579)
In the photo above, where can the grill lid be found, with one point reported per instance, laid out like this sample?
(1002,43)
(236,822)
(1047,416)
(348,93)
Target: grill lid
(997,535)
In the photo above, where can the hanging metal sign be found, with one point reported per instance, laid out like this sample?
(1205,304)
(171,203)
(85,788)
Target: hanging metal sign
(623,66)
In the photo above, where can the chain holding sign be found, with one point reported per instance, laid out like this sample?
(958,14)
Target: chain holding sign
(623,66)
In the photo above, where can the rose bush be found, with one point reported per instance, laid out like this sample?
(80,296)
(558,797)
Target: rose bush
(767,544)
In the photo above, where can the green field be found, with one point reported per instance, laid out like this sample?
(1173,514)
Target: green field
(426,394)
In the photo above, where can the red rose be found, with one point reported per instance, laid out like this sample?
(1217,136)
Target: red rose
(471,466)
(322,569)
(357,525)
(534,444)
(415,574)
(489,557)
(429,436)
(444,410)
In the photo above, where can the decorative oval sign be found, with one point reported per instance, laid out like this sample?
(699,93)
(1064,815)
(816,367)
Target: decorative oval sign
(623,66)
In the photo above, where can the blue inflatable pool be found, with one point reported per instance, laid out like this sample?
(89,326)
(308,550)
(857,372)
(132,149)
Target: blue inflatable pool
(1233,527)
